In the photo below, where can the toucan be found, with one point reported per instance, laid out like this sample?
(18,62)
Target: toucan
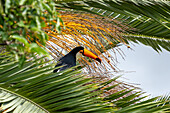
(69,60)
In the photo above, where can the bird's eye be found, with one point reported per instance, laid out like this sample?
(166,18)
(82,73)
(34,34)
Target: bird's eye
(81,51)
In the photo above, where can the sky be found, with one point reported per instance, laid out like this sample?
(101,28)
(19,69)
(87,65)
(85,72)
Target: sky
(150,69)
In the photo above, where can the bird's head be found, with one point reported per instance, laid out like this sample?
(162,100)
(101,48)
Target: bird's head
(88,53)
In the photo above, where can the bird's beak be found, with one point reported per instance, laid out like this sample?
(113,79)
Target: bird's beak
(88,53)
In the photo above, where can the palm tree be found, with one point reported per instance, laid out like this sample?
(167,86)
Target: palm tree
(97,25)
(149,18)
(101,25)
(35,88)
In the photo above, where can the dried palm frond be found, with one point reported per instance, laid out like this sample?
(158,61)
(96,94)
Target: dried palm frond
(90,31)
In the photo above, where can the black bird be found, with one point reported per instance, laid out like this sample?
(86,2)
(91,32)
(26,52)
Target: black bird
(69,60)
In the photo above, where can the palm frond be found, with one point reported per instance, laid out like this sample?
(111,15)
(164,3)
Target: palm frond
(149,18)
(156,43)
(34,88)
(11,102)
(157,10)
(90,32)
(145,106)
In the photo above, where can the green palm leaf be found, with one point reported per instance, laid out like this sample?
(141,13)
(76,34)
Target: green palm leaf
(157,10)
(33,88)
(145,106)
(149,18)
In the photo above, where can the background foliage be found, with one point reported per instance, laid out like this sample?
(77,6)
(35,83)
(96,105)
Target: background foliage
(21,20)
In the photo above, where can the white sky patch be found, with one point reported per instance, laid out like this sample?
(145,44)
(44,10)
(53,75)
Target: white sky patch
(152,69)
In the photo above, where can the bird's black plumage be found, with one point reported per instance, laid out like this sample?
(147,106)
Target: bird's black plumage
(69,60)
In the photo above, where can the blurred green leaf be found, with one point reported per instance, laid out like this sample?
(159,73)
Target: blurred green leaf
(22,59)
(58,26)
(21,39)
(37,49)
(47,7)
(62,23)
(21,24)
(24,12)
(43,24)
(22,2)
(32,23)
(4,36)
(1,20)
(46,37)
(35,29)
(43,39)
(38,22)
(1,8)
(7,5)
